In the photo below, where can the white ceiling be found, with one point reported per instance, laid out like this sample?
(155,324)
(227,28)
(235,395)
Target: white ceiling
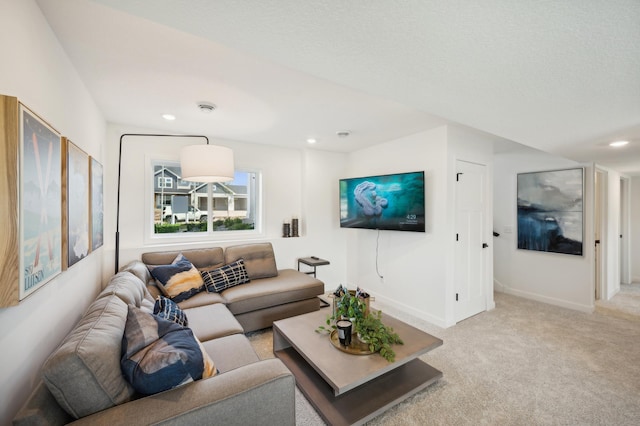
(562,76)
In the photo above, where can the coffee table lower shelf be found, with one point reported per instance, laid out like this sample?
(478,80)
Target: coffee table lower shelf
(367,400)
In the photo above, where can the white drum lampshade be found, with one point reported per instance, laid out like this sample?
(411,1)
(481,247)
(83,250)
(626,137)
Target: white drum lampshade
(206,163)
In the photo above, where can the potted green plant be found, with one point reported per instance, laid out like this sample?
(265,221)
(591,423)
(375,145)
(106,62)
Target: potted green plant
(372,331)
(368,326)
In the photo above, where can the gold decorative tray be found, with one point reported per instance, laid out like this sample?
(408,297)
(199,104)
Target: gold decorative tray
(355,348)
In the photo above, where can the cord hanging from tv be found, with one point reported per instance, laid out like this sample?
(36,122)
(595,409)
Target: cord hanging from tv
(393,202)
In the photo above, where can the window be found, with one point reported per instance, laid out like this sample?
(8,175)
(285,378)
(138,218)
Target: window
(203,208)
(186,184)
(165,182)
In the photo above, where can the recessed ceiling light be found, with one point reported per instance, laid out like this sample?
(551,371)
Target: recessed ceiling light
(312,140)
(169,117)
(618,143)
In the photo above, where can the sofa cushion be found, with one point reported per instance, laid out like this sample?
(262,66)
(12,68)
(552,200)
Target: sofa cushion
(127,287)
(212,321)
(231,352)
(206,258)
(83,374)
(224,277)
(289,286)
(158,354)
(202,299)
(180,280)
(169,310)
(258,259)
(139,269)
(147,306)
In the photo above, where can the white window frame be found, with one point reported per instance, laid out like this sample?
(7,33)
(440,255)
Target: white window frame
(151,238)
(165,179)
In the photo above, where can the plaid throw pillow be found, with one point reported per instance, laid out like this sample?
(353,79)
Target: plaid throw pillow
(167,309)
(226,276)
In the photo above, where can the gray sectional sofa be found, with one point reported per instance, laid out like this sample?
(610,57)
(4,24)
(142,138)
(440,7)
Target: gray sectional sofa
(83,382)
(271,294)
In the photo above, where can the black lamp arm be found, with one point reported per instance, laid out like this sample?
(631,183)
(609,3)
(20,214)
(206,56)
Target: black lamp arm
(119,173)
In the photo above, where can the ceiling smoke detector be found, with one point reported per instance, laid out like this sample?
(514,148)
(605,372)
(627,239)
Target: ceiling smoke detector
(343,133)
(206,107)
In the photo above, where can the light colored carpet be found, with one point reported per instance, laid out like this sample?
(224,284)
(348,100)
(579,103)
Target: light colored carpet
(523,363)
(625,304)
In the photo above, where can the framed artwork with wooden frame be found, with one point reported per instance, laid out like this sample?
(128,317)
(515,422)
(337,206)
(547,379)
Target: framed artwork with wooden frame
(77,203)
(40,201)
(31,189)
(97,207)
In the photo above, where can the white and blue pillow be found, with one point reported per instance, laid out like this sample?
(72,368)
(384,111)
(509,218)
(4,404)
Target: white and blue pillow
(158,354)
(225,277)
(178,281)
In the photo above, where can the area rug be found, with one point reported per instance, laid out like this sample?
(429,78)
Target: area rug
(523,363)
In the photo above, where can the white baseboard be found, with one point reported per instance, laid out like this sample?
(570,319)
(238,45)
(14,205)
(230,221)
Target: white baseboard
(410,311)
(491,305)
(613,292)
(498,286)
(549,300)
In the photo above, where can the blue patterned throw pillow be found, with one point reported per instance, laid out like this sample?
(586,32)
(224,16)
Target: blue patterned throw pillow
(178,281)
(158,354)
(167,309)
(226,276)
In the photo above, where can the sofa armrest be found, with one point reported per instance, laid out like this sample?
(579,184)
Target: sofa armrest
(41,409)
(262,393)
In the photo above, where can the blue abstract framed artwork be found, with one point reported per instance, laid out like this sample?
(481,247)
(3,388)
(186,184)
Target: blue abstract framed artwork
(550,211)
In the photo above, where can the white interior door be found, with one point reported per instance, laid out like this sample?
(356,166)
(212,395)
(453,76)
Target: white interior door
(470,246)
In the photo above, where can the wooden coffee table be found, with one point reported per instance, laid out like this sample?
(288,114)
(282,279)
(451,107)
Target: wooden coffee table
(352,389)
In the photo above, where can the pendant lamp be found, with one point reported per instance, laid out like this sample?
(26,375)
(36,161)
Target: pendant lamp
(206,163)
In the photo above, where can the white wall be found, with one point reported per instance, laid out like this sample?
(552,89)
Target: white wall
(635,229)
(296,182)
(413,264)
(37,71)
(321,214)
(563,280)
(417,268)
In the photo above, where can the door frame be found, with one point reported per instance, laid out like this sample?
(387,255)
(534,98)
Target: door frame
(625,230)
(600,190)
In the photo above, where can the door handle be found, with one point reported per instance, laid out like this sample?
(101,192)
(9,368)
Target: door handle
(485,245)
(597,241)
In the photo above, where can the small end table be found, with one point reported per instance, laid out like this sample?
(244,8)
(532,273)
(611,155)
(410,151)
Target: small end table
(314,262)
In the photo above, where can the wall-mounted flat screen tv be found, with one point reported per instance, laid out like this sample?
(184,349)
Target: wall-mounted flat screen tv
(389,202)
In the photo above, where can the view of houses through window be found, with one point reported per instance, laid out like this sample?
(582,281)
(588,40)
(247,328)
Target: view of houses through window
(182,206)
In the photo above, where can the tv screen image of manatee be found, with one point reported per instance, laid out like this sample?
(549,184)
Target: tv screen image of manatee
(387,202)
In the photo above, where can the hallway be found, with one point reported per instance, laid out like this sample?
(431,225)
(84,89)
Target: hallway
(625,304)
